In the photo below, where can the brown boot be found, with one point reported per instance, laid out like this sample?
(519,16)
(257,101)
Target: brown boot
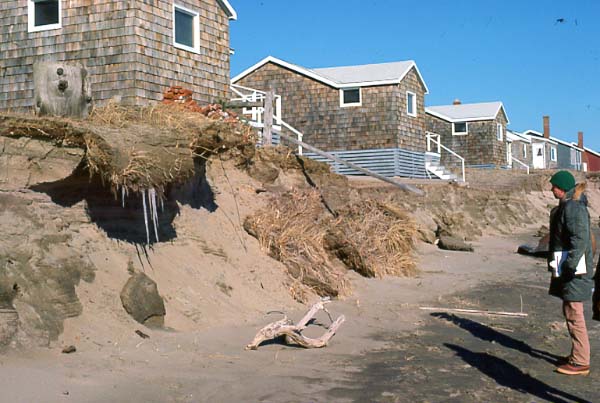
(573,369)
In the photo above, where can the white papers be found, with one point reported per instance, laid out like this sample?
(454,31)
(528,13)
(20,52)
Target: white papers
(559,259)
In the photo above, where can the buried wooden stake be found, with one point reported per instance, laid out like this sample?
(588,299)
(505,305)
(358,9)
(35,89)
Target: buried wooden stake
(285,327)
(475,311)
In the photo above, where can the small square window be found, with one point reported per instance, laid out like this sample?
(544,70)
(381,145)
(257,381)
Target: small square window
(499,130)
(411,103)
(186,27)
(44,15)
(350,97)
(459,128)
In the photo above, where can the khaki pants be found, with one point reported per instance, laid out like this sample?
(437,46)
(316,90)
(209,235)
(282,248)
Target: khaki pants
(580,350)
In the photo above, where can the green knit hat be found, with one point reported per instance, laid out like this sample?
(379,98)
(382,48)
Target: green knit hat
(563,180)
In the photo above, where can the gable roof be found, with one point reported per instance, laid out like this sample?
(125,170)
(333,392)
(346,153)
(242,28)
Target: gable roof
(467,112)
(535,135)
(512,135)
(348,76)
(567,144)
(589,150)
(231,14)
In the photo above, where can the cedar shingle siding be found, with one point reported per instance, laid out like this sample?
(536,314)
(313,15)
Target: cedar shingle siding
(517,152)
(480,146)
(126,46)
(314,108)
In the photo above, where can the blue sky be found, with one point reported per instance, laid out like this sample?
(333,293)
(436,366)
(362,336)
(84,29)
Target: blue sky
(538,57)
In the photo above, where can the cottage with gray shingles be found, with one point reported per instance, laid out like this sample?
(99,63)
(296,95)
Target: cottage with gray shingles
(519,149)
(550,152)
(544,149)
(352,109)
(132,50)
(474,131)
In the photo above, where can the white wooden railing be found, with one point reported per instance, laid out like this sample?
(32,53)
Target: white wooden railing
(521,163)
(254,112)
(435,139)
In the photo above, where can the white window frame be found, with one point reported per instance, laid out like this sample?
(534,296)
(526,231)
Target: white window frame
(31,27)
(196,26)
(552,153)
(455,133)
(414,103)
(524,150)
(345,105)
(499,131)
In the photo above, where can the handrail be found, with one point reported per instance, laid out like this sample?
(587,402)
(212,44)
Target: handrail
(236,86)
(296,132)
(439,143)
(254,96)
(332,157)
(522,163)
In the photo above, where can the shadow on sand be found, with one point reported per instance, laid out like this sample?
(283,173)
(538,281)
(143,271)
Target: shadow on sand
(486,333)
(507,375)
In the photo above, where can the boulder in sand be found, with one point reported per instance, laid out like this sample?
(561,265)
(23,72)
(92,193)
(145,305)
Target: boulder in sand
(452,243)
(141,300)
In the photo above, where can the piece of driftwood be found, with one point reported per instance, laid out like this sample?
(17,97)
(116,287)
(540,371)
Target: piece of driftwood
(475,311)
(293,333)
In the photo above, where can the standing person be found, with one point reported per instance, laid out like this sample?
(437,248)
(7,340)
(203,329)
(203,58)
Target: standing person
(570,234)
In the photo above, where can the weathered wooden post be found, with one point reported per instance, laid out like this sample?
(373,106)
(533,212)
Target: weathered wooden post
(268,118)
(61,89)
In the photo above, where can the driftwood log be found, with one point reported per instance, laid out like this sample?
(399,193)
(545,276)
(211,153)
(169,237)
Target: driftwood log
(293,333)
(475,311)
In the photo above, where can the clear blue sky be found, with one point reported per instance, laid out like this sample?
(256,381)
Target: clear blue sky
(538,57)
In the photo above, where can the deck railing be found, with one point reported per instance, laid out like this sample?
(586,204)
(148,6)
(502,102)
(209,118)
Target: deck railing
(521,163)
(253,96)
(434,138)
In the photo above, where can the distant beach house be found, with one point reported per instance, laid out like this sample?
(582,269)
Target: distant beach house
(132,50)
(592,160)
(568,155)
(544,154)
(519,149)
(477,131)
(364,107)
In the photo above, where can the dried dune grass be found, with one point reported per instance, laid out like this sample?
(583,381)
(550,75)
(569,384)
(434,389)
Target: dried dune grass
(292,231)
(294,227)
(151,146)
(383,235)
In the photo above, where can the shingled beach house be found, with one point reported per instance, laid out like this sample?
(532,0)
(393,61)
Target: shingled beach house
(475,131)
(373,114)
(132,50)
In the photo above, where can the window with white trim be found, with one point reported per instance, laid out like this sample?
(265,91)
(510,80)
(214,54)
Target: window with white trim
(186,29)
(411,103)
(552,153)
(499,130)
(350,97)
(43,15)
(460,128)
(524,150)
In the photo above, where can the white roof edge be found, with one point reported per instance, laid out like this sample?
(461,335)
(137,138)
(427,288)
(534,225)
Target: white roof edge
(566,143)
(505,114)
(521,136)
(293,67)
(230,11)
(318,77)
(414,64)
(541,137)
(589,150)
(449,119)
